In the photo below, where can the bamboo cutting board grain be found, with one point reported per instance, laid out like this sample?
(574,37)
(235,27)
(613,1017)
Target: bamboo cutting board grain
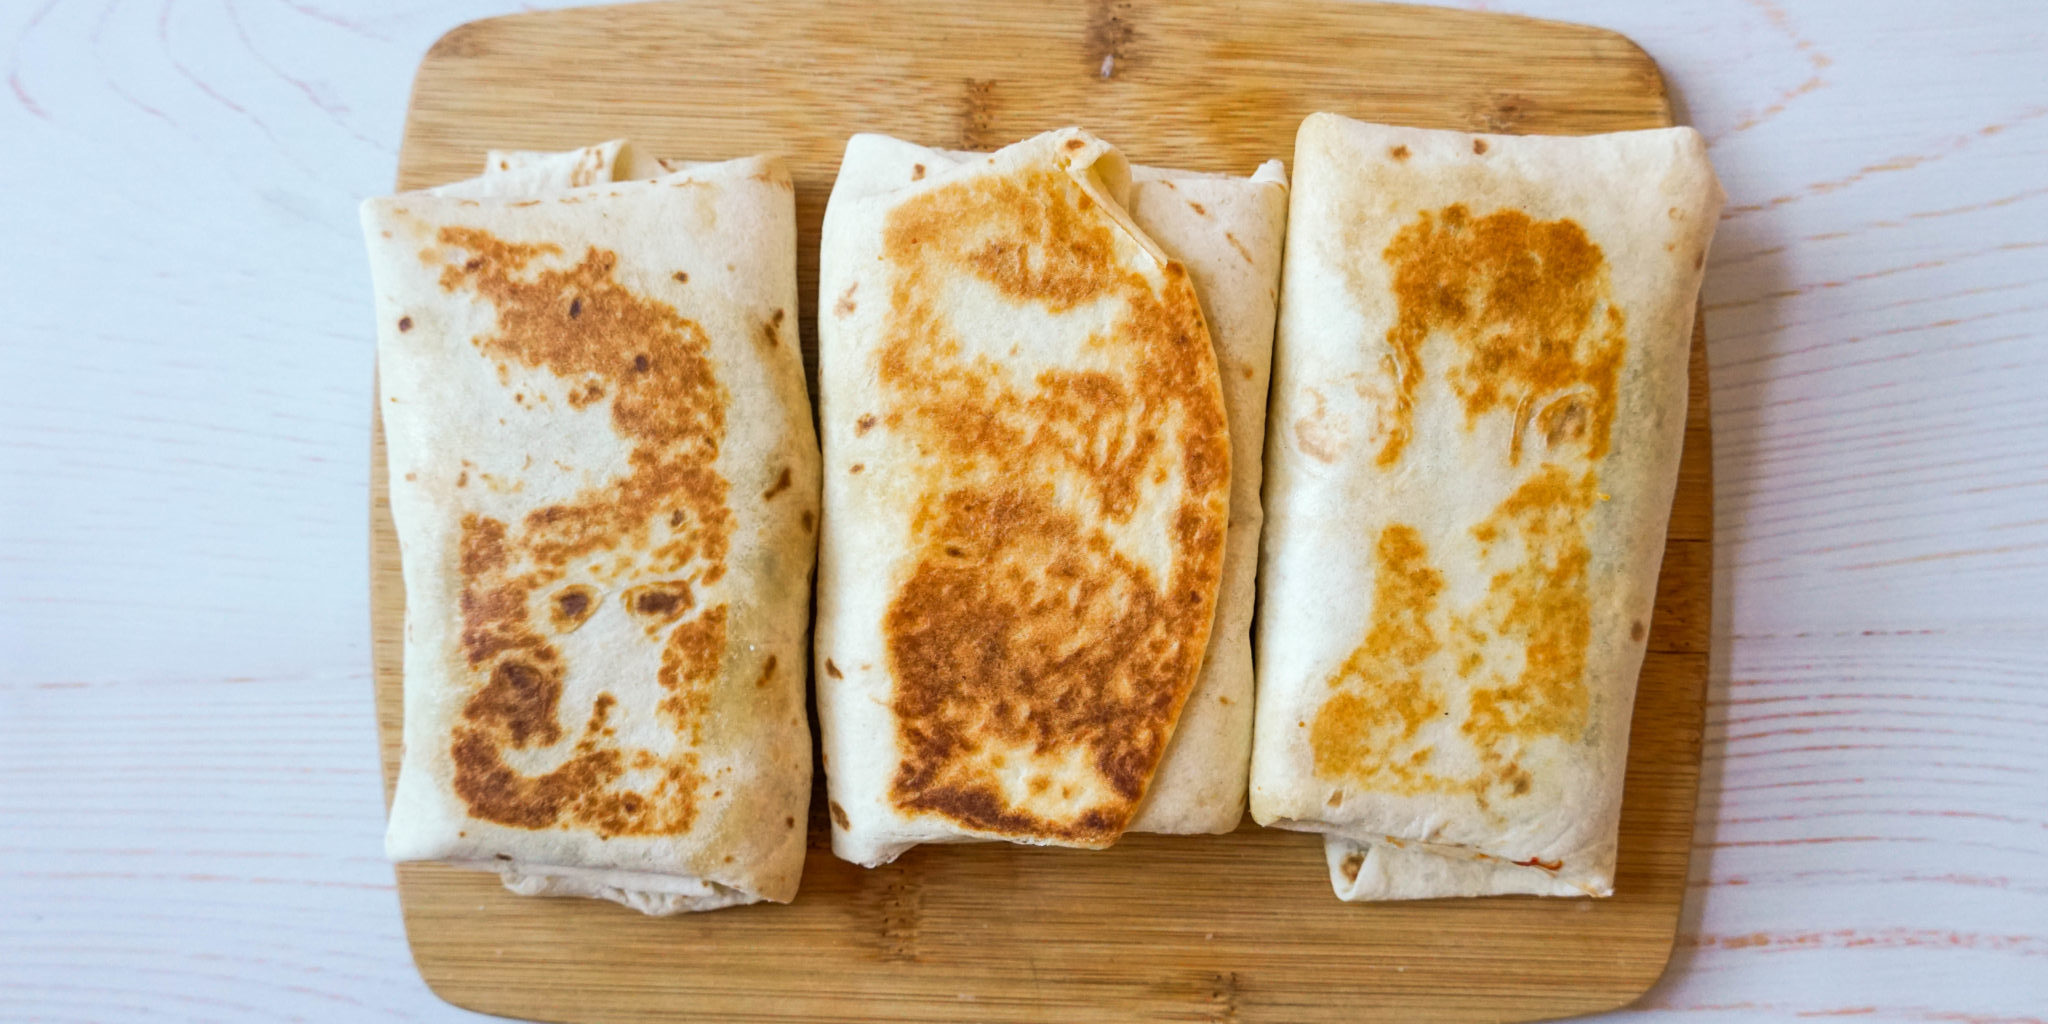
(1233,928)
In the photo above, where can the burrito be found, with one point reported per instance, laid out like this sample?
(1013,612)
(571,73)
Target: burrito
(1479,395)
(1227,230)
(1027,492)
(604,483)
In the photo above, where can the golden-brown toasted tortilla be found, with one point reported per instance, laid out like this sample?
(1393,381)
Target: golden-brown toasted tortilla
(604,484)
(1227,231)
(1028,472)
(1479,395)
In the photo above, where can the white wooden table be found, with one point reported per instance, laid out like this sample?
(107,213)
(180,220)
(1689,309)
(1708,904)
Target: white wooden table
(189,805)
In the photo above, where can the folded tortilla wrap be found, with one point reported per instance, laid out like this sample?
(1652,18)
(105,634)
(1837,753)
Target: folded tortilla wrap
(524,174)
(1479,395)
(1027,490)
(604,484)
(617,160)
(1228,231)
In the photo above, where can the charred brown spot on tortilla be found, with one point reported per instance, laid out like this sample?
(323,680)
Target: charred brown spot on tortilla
(587,168)
(832,670)
(663,601)
(1526,306)
(572,607)
(1398,152)
(767,672)
(1636,630)
(600,714)
(1200,210)
(1315,435)
(809,520)
(1561,421)
(667,515)
(1022,632)
(863,425)
(845,306)
(1231,237)
(681,277)
(1479,146)
(857,467)
(839,817)
(482,548)
(771,329)
(780,485)
(1541,601)
(689,667)
(1367,728)
(585,393)
(916,172)
(1350,864)
(405,323)
(521,698)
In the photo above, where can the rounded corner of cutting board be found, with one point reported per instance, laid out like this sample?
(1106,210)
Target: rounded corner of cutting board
(1643,976)
(470,38)
(442,977)
(1626,49)
(443,980)
(874,937)
(436,953)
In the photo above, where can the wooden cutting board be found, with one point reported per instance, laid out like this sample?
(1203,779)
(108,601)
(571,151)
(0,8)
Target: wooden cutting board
(1232,928)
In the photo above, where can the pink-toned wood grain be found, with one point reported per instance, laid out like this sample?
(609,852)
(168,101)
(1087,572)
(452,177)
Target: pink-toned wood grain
(189,809)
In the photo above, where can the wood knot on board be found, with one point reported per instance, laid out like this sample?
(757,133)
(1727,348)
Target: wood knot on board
(977,113)
(900,912)
(1503,112)
(1209,996)
(1223,997)
(1109,37)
